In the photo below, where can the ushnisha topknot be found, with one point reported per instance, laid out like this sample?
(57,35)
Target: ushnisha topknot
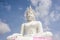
(29,11)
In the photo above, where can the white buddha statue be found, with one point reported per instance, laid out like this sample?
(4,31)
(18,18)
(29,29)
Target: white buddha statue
(31,28)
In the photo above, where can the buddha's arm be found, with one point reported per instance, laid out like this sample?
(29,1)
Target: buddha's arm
(22,29)
(40,28)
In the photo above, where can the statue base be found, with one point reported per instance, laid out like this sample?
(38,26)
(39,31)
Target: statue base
(35,38)
(43,36)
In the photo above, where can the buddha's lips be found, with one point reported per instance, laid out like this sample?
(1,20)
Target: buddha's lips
(42,38)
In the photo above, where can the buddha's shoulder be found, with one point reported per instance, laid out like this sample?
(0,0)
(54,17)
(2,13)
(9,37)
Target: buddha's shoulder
(38,21)
(33,22)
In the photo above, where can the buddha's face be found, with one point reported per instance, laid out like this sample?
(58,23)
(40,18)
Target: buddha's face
(30,17)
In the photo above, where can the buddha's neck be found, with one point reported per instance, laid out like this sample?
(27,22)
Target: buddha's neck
(30,20)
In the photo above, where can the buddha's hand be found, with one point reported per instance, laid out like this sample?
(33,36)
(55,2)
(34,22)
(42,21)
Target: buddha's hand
(14,36)
(20,34)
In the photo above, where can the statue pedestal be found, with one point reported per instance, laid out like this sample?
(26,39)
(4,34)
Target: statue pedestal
(34,38)
(42,38)
(38,36)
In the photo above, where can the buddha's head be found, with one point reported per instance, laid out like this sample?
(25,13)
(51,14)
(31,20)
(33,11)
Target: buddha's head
(29,14)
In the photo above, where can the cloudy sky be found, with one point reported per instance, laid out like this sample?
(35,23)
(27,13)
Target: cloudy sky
(12,16)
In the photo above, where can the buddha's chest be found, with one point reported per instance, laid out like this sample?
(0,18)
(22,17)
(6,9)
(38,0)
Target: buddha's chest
(31,26)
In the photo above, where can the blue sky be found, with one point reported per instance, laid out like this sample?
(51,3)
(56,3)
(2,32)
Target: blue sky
(12,14)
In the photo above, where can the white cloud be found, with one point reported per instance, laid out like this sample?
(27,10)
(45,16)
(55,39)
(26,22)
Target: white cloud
(57,36)
(54,16)
(41,6)
(34,2)
(4,27)
(46,28)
